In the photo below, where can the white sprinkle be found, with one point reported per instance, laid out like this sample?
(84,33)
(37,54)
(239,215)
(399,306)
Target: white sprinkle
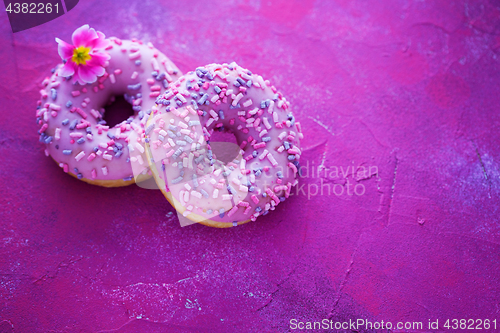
(134,47)
(209,122)
(266,122)
(263,155)
(181,98)
(112,78)
(245,76)
(154,63)
(95,114)
(190,161)
(226,197)
(215,194)
(79,156)
(57,134)
(196,194)
(185,162)
(104,171)
(271,159)
(134,75)
(133,56)
(261,134)
(271,107)
(184,113)
(237,99)
(214,114)
(248,103)
(167,66)
(140,147)
(261,82)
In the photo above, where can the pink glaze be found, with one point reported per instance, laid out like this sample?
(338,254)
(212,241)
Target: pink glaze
(231,99)
(70,115)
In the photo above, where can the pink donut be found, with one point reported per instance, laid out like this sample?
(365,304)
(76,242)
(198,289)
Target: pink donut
(226,98)
(71,109)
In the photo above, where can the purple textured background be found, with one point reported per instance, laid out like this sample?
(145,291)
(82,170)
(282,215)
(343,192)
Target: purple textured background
(411,87)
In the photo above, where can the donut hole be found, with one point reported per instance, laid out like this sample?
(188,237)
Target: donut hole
(224,146)
(117,110)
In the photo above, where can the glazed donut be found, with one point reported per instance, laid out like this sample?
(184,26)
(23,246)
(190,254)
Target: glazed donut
(224,98)
(70,112)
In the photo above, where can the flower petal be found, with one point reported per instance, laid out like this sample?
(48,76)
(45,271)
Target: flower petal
(64,49)
(98,59)
(86,74)
(98,71)
(83,36)
(68,69)
(100,43)
(76,78)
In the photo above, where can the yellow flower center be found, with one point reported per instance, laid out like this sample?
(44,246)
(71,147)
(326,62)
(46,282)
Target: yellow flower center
(81,55)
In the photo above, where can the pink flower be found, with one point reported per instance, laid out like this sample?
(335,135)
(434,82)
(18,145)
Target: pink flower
(86,58)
